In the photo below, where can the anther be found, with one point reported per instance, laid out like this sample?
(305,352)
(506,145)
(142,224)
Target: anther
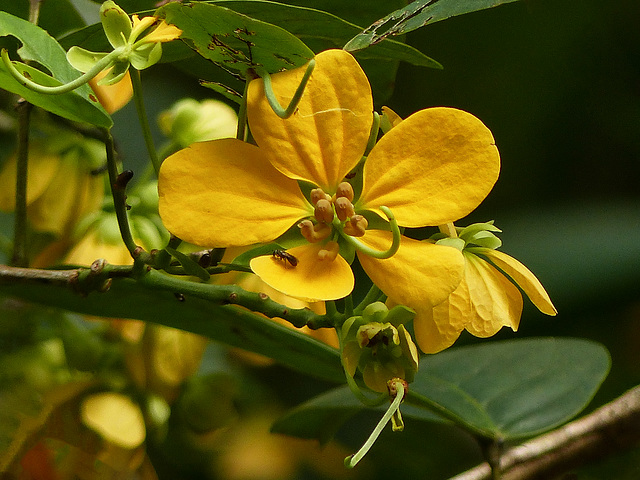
(356,226)
(345,190)
(344,208)
(314,233)
(329,252)
(324,211)
(318,194)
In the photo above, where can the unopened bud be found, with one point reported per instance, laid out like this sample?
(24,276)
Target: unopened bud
(356,226)
(324,211)
(344,208)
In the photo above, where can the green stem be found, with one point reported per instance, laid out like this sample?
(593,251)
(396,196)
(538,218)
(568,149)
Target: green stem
(373,136)
(373,295)
(100,65)
(144,121)
(241,131)
(118,187)
(353,460)
(19,257)
(34,11)
(293,104)
(380,254)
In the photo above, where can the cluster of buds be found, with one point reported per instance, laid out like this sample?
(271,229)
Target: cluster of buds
(378,345)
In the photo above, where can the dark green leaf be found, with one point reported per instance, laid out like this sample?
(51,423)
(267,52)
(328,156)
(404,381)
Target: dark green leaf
(236,41)
(416,15)
(321,30)
(506,390)
(226,92)
(228,324)
(38,46)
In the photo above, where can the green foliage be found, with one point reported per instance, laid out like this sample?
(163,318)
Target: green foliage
(503,390)
(38,46)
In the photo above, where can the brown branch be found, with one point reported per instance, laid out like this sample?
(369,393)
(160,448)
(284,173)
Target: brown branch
(610,429)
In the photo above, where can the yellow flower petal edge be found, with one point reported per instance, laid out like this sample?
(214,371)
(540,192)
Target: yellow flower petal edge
(523,277)
(495,301)
(327,135)
(224,193)
(434,167)
(42,168)
(419,273)
(311,279)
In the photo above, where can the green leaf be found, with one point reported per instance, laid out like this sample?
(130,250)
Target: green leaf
(38,46)
(189,265)
(227,92)
(228,324)
(236,41)
(416,15)
(322,30)
(508,390)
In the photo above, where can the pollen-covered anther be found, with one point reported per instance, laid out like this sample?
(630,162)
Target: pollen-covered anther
(329,252)
(356,226)
(318,194)
(344,208)
(314,233)
(345,190)
(323,211)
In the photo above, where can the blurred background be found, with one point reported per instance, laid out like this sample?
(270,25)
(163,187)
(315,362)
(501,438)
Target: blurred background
(558,84)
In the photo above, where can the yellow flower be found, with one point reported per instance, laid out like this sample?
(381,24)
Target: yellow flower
(434,167)
(61,188)
(115,96)
(486,299)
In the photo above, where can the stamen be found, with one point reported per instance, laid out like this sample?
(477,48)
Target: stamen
(318,194)
(381,254)
(324,211)
(356,226)
(314,233)
(345,190)
(330,252)
(293,105)
(344,208)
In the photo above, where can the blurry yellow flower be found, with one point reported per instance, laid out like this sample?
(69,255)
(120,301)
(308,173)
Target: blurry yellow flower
(434,167)
(61,188)
(487,298)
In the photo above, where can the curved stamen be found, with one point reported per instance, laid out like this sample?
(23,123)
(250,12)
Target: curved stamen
(293,104)
(373,135)
(372,252)
(352,460)
(100,65)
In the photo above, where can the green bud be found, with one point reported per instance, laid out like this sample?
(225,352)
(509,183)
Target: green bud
(375,312)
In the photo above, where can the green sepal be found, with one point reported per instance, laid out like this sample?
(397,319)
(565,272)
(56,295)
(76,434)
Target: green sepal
(116,24)
(458,243)
(83,60)
(400,315)
(146,55)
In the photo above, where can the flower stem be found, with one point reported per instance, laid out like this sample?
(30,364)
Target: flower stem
(118,184)
(241,132)
(19,257)
(293,104)
(100,65)
(352,460)
(144,121)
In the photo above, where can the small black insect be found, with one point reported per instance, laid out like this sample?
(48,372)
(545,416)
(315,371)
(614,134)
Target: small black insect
(286,257)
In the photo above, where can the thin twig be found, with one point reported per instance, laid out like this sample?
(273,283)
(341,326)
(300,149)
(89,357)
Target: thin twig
(19,257)
(610,429)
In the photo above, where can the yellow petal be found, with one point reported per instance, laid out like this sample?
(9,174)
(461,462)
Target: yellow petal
(523,277)
(112,97)
(225,193)
(495,301)
(419,274)
(437,328)
(432,168)
(163,33)
(41,169)
(311,279)
(327,135)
